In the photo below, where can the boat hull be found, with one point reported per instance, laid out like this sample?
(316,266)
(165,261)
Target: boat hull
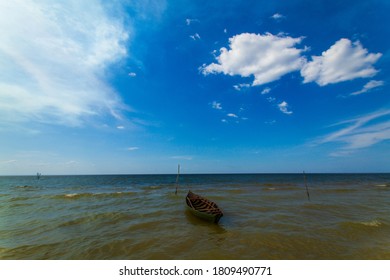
(203,208)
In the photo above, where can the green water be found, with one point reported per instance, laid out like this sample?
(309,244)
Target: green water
(266,216)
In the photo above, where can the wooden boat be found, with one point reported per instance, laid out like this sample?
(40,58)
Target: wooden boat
(203,208)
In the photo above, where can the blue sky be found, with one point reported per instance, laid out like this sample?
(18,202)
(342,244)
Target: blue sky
(129,87)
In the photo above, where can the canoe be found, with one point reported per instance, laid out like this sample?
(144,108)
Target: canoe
(203,208)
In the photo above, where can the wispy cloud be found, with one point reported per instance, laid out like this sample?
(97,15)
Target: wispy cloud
(132,74)
(8,161)
(216,105)
(132,148)
(271,99)
(266,57)
(266,90)
(361,132)
(54,64)
(283,107)
(189,21)
(195,37)
(343,61)
(231,115)
(369,86)
(239,87)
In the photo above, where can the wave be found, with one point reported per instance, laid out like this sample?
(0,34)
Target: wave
(363,225)
(93,195)
(27,188)
(382,187)
(236,191)
(109,218)
(19,198)
(337,190)
(373,223)
(20,205)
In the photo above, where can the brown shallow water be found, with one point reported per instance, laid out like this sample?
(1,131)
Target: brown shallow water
(267,216)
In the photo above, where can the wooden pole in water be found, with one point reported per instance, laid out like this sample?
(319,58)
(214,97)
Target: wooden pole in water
(307,189)
(177,178)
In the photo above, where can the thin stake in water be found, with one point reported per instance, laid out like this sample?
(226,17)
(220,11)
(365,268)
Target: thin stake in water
(177,177)
(307,189)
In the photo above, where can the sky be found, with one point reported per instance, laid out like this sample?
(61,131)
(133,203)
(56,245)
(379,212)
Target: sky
(138,87)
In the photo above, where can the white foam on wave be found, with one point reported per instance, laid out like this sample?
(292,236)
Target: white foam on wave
(373,223)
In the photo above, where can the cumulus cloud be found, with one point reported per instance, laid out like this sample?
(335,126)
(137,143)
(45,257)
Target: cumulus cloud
(265,57)
(283,107)
(369,86)
(343,61)
(54,57)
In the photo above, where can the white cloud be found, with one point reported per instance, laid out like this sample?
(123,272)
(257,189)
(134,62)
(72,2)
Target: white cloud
(54,57)
(231,115)
(369,86)
(132,148)
(271,99)
(120,127)
(283,107)
(189,21)
(241,86)
(8,161)
(272,122)
(343,61)
(266,57)
(132,74)
(216,105)
(341,153)
(195,37)
(266,90)
(277,16)
(361,132)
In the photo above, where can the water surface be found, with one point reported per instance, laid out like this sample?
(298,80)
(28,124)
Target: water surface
(267,216)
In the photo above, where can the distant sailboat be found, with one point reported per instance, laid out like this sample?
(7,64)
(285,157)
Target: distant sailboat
(38,175)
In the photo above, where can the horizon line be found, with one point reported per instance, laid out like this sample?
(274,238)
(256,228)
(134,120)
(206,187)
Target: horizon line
(202,173)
